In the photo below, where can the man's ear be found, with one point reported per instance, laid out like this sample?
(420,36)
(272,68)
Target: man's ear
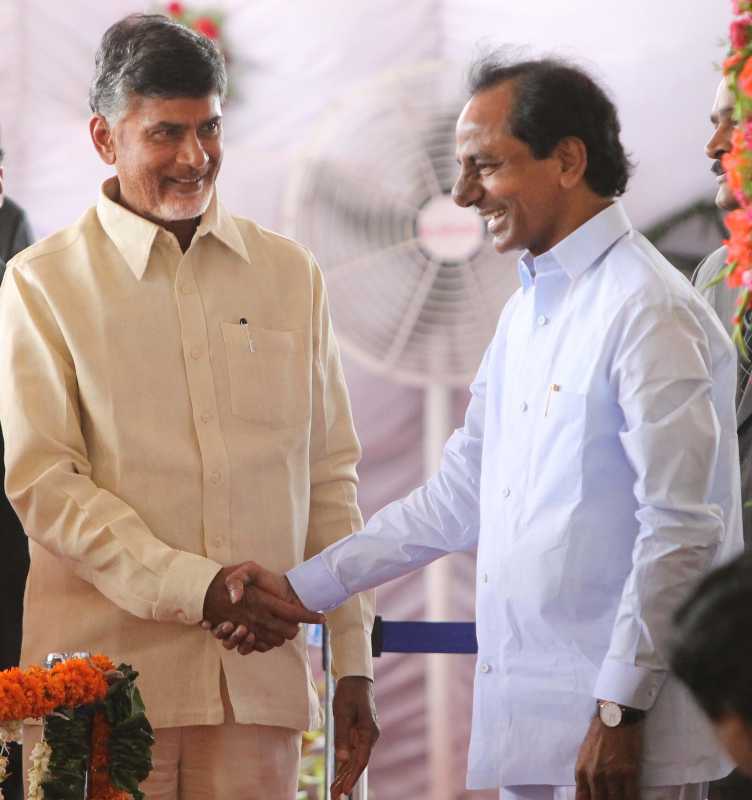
(572,155)
(103,139)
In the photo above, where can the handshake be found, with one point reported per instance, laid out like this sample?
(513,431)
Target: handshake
(252,609)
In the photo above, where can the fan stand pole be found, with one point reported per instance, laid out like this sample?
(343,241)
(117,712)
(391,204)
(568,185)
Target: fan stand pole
(437,423)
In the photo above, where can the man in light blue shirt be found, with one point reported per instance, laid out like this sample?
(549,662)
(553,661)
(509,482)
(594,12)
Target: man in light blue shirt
(596,474)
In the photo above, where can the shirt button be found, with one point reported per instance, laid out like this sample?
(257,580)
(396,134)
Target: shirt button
(206,417)
(196,353)
(542,320)
(186,288)
(523,406)
(484,577)
(216,477)
(484,668)
(506,491)
(219,541)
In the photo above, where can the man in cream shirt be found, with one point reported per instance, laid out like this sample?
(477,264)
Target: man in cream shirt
(174,404)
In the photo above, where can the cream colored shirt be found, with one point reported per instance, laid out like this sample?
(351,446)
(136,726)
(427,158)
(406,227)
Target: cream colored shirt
(151,437)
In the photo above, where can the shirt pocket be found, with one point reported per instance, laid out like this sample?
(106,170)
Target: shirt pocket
(268,375)
(558,447)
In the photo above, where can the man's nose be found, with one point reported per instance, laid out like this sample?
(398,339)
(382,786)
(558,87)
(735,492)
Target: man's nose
(465,191)
(718,145)
(192,152)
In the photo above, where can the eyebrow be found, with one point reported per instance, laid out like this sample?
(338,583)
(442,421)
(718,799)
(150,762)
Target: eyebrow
(178,126)
(726,111)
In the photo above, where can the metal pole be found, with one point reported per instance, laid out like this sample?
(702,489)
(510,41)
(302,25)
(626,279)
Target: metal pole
(326,655)
(437,422)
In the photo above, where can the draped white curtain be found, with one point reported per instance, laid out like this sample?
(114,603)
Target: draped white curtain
(290,63)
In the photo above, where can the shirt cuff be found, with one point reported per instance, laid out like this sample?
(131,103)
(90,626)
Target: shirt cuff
(351,653)
(181,598)
(628,684)
(315,585)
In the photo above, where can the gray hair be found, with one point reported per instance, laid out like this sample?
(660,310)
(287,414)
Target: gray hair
(153,56)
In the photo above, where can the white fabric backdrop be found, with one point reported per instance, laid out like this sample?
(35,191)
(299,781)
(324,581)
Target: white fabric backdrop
(291,62)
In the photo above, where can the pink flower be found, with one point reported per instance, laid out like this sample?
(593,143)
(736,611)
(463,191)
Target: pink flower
(175,9)
(739,32)
(747,278)
(206,26)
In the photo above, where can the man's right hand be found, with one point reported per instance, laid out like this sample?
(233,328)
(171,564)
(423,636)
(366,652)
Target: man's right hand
(267,620)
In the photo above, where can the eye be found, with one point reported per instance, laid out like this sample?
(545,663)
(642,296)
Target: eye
(212,127)
(487,169)
(163,133)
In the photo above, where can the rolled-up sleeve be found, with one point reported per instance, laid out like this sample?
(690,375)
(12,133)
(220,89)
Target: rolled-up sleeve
(48,473)
(671,436)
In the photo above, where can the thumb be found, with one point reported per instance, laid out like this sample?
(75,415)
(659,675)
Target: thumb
(243,575)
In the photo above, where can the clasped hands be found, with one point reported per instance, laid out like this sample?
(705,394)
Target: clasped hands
(252,609)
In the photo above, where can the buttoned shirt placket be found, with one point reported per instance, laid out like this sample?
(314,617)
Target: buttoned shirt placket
(198,359)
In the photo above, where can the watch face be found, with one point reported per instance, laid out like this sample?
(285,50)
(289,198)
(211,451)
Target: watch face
(610,714)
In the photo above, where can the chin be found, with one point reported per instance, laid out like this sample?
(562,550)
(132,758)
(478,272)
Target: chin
(725,199)
(179,210)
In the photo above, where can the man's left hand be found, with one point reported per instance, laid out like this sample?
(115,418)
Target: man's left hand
(356,730)
(608,764)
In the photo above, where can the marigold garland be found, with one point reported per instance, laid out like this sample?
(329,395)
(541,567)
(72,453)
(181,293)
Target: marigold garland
(94,722)
(37,692)
(100,761)
(738,166)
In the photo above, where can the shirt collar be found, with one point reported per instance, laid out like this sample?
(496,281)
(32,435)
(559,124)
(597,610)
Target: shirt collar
(134,236)
(581,249)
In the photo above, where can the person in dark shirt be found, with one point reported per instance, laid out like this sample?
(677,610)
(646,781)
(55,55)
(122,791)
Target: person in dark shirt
(14,565)
(712,653)
(15,231)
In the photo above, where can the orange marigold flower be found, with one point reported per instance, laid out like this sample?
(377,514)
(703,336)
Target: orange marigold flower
(101,788)
(731,62)
(745,78)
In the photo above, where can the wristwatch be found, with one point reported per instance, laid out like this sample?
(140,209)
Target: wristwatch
(612,715)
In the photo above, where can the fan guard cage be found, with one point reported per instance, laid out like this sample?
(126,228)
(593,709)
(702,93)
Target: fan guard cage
(414,283)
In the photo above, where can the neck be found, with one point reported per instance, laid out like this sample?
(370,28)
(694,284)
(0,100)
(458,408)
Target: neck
(183,230)
(577,213)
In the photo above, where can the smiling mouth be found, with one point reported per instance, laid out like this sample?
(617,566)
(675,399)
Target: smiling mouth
(187,186)
(494,219)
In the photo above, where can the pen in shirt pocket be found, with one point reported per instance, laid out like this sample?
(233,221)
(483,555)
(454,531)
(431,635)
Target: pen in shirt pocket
(554,387)
(244,323)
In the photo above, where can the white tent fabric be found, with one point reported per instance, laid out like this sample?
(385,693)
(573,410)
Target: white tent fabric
(290,62)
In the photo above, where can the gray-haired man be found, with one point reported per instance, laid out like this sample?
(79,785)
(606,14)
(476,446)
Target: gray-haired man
(174,402)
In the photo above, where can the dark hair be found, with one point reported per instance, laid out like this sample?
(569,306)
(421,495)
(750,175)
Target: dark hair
(554,100)
(712,648)
(153,56)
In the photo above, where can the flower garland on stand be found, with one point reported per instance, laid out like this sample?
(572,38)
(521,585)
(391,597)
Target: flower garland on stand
(97,740)
(737,164)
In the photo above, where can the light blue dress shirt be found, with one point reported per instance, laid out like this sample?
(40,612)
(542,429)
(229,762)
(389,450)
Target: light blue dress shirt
(597,474)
